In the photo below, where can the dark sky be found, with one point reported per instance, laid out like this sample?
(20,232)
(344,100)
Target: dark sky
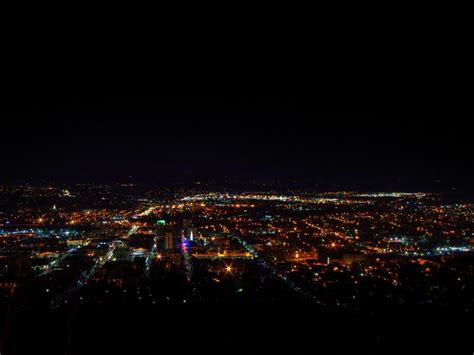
(195,138)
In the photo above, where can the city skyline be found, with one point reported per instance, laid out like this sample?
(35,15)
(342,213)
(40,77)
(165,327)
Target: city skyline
(101,257)
(233,224)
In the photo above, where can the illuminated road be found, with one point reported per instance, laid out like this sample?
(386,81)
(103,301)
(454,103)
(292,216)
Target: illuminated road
(87,274)
(262,262)
(150,257)
(132,231)
(58,260)
(274,271)
(187,259)
(148,211)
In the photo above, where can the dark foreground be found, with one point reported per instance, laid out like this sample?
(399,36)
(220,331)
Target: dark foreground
(221,329)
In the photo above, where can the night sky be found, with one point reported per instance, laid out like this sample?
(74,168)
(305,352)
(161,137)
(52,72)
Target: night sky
(156,139)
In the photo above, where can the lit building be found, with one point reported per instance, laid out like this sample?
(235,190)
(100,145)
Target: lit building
(169,240)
